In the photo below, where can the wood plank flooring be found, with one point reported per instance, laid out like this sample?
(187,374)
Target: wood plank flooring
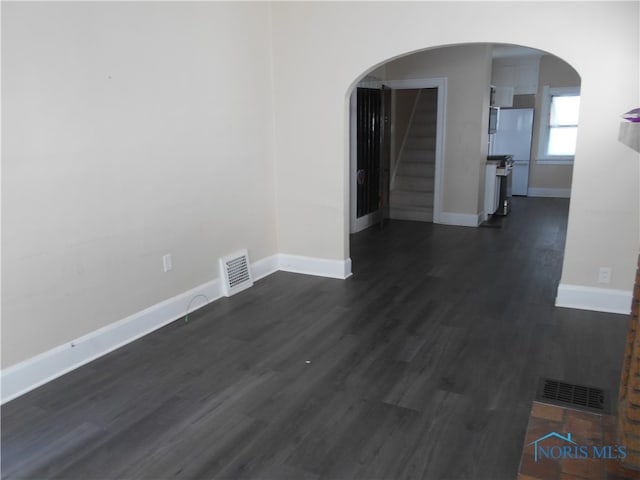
(422,365)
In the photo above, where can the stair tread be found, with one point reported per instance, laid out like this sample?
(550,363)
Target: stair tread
(416,214)
(404,190)
(417,208)
(421,177)
(411,199)
(424,171)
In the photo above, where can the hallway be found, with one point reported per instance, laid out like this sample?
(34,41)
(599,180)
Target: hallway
(423,364)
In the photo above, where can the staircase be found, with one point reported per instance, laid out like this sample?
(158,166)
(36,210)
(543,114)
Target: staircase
(413,184)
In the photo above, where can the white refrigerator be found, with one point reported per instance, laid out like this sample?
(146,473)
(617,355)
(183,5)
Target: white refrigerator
(513,137)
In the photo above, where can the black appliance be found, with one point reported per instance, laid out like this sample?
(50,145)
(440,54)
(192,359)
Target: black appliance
(503,173)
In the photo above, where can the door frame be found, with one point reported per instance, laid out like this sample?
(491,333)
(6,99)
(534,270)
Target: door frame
(357,224)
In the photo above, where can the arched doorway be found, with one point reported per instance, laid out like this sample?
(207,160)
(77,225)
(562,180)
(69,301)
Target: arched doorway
(514,78)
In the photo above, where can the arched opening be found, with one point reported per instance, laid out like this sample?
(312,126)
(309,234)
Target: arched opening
(437,171)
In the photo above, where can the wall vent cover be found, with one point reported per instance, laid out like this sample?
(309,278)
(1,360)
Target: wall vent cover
(236,273)
(570,395)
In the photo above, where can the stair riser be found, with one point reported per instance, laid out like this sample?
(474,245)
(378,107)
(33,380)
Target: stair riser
(424,125)
(400,198)
(412,169)
(423,215)
(428,144)
(419,158)
(422,184)
(417,155)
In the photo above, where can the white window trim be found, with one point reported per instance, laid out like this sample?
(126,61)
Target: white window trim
(543,140)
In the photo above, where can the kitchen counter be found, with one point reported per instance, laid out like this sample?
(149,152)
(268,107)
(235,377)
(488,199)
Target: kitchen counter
(503,163)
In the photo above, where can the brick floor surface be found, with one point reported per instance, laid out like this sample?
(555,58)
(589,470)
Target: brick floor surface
(586,430)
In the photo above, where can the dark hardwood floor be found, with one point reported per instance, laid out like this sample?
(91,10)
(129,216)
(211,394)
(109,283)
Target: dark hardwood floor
(423,364)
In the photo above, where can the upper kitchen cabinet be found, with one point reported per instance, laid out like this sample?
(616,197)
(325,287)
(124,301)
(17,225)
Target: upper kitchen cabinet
(502,96)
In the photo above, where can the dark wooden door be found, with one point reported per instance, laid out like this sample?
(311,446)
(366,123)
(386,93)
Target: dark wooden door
(385,150)
(369,114)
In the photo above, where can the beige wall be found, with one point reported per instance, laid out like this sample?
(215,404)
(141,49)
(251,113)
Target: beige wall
(326,47)
(554,72)
(130,130)
(468,72)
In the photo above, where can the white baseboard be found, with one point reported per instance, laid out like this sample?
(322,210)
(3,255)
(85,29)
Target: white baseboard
(549,192)
(315,266)
(265,267)
(33,372)
(595,299)
(460,219)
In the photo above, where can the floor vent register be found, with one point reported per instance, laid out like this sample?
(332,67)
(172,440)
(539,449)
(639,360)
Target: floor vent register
(580,397)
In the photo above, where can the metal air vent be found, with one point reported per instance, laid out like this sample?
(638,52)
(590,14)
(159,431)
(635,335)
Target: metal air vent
(580,397)
(236,273)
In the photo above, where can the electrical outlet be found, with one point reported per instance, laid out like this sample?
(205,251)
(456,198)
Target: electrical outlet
(604,275)
(167,262)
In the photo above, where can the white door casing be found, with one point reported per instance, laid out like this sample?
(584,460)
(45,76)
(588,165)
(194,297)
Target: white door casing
(418,83)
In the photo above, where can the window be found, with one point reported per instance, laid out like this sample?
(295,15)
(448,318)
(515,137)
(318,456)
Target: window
(559,125)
